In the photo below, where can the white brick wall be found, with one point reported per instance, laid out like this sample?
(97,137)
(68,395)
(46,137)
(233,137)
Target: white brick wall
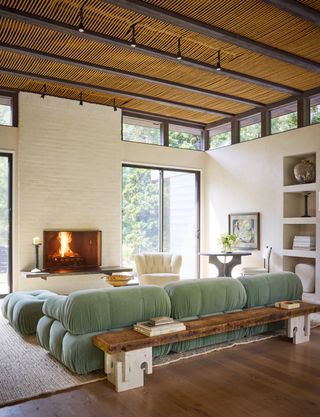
(69,176)
(69,173)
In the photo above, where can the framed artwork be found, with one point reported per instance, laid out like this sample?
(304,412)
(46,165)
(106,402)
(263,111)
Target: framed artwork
(247,227)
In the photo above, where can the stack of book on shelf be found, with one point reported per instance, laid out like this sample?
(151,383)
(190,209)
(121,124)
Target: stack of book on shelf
(159,325)
(304,243)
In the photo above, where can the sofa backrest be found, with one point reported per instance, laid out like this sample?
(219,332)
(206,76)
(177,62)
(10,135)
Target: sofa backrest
(158,262)
(195,298)
(267,289)
(88,311)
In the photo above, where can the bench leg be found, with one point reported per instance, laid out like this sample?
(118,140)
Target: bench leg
(125,370)
(299,329)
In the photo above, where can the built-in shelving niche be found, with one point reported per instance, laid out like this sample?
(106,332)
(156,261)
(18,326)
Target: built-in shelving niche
(294,204)
(294,222)
(288,164)
(292,230)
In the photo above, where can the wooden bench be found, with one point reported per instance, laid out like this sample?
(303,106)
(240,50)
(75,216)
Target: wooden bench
(128,353)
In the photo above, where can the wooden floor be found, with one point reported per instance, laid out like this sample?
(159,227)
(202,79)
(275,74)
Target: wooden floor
(273,378)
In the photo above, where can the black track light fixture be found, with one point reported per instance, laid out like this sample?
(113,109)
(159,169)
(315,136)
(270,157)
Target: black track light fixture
(114,105)
(179,56)
(218,67)
(81,24)
(133,42)
(44,91)
(81,99)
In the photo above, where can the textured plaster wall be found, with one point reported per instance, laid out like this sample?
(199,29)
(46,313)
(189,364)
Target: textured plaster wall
(248,177)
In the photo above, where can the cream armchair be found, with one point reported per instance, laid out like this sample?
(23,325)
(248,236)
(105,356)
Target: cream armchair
(158,268)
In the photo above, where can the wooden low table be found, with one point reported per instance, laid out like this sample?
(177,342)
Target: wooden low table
(128,353)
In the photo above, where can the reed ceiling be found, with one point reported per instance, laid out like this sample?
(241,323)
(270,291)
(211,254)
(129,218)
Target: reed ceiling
(267,54)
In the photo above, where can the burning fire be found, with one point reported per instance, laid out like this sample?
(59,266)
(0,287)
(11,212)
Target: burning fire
(65,238)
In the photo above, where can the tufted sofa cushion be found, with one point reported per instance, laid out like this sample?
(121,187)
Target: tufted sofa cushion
(88,311)
(267,289)
(24,309)
(70,322)
(191,299)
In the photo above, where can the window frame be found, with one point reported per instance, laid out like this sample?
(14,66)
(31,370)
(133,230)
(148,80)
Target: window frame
(310,105)
(9,156)
(164,130)
(303,119)
(285,114)
(191,131)
(227,131)
(250,124)
(14,106)
(162,169)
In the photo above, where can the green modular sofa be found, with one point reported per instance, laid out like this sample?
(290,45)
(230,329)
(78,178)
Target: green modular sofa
(69,322)
(23,309)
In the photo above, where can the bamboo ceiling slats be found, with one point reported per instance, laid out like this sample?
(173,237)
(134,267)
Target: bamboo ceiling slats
(24,84)
(65,45)
(194,46)
(254,19)
(314,4)
(16,62)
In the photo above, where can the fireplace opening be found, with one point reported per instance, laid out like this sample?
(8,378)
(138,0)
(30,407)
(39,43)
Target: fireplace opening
(71,250)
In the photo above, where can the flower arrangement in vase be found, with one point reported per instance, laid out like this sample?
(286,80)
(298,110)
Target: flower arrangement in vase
(228,242)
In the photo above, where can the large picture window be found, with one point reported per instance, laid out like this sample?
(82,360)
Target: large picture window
(160,212)
(5,223)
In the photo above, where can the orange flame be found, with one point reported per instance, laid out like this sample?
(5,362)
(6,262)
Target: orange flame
(65,238)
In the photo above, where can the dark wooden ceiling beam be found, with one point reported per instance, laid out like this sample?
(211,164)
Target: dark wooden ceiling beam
(161,118)
(297,9)
(108,70)
(119,93)
(197,26)
(109,40)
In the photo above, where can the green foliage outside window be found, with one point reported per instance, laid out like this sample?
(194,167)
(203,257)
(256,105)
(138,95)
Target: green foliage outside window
(4,226)
(144,134)
(220,140)
(285,122)
(184,140)
(315,114)
(250,132)
(140,212)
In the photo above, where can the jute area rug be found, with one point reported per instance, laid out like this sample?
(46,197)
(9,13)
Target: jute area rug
(27,371)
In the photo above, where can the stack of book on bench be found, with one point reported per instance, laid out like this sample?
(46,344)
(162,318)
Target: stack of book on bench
(159,325)
(287,305)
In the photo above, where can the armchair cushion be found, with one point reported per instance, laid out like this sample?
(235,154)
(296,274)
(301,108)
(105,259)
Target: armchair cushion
(158,268)
(158,279)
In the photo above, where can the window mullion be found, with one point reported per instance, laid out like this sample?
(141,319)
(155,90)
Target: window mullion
(161,210)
